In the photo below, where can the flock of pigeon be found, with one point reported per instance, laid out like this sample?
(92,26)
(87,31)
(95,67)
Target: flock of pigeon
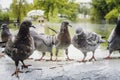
(20,46)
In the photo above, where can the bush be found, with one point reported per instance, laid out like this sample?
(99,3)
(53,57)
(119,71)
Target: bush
(112,16)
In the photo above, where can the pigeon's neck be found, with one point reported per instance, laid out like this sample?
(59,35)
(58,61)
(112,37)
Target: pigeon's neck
(23,32)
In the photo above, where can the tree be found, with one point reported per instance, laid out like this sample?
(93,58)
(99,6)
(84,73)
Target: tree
(114,10)
(105,9)
(99,9)
(54,7)
(19,9)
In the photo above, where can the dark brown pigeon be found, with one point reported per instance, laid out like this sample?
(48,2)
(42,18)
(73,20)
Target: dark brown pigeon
(114,39)
(62,39)
(21,46)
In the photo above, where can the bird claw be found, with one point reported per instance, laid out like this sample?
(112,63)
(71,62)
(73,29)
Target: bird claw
(25,66)
(92,59)
(16,73)
(108,57)
(57,60)
(82,61)
(49,60)
(68,59)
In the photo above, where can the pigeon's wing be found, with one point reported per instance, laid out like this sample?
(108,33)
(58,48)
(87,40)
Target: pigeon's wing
(92,38)
(33,33)
(48,39)
(10,47)
(112,36)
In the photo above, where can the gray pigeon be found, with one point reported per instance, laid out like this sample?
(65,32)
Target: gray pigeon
(86,42)
(5,34)
(114,40)
(43,43)
(21,46)
(62,39)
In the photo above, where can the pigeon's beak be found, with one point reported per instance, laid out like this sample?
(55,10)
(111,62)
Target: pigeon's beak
(33,26)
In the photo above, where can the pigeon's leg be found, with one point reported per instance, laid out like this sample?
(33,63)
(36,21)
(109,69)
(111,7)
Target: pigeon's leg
(83,60)
(68,59)
(43,54)
(93,57)
(56,54)
(51,54)
(24,66)
(108,57)
(17,69)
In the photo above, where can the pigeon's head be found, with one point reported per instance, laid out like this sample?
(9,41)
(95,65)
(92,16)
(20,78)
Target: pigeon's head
(4,26)
(64,26)
(26,24)
(78,30)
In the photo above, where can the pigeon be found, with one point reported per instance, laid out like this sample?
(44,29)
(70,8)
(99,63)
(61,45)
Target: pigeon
(21,46)
(43,43)
(62,39)
(86,42)
(114,40)
(5,34)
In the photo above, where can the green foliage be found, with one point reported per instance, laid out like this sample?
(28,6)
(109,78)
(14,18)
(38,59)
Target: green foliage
(19,9)
(100,9)
(112,15)
(4,16)
(105,9)
(54,7)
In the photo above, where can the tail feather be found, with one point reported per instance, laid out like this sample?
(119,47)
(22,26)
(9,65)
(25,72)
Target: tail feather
(52,30)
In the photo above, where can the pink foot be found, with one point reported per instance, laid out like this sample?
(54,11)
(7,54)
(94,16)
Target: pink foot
(108,57)
(92,58)
(68,59)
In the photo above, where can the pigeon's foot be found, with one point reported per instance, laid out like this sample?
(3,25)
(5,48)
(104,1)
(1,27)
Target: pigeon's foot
(68,59)
(82,61)
(92,58)
(56,60)
(25,66)
(50,59)
(108,57)
(17,71)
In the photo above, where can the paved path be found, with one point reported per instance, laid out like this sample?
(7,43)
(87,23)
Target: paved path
(46,70)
